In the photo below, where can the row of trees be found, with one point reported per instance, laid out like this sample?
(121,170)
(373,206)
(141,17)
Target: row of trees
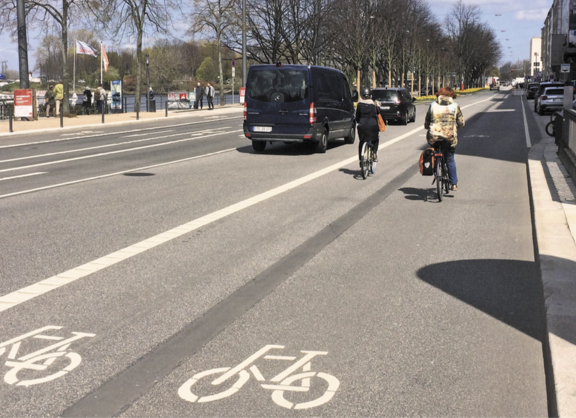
(378,40)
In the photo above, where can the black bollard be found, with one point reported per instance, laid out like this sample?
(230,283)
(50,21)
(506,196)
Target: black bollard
(166,108)
(10,116)
(103,112)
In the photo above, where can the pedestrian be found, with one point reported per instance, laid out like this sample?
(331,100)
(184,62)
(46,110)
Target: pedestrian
(58,96)
(443,119)
(210,96)
(97,99)
(87,100)
(199,96)
(103,99)
(50,102)
(151,94)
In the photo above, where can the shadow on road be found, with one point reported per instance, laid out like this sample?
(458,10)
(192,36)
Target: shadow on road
(508,290)
(289,149)
(354,173)
(425,195)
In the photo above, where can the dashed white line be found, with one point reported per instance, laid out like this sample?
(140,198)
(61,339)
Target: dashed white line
(23,175)
(526,132)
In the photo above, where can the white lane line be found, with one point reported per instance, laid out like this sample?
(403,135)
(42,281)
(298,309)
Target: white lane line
(526,132)
(101,154)
(110,133)
(500,110)
(44,286)
(105,146)
(147,133)
(475,103)
(20,296)
(115,174)
(23,175)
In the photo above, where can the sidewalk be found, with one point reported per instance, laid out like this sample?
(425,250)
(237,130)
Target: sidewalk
(53,124)
(554,200)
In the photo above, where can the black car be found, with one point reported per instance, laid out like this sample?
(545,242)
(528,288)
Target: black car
(396,104)
(531,90)
(298,103)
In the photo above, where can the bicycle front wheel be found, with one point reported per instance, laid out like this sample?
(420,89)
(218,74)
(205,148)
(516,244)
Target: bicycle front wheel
(364,160)
(550,128)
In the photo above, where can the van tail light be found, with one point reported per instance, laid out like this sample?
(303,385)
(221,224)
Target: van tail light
(544,97)
(312,114)
(245,109)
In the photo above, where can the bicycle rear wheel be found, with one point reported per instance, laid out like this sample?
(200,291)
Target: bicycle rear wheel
(550,129)
(439,179)
(364,160)
(372,162)
(445,179)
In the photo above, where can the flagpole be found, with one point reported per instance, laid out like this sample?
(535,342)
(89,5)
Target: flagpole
(74,81)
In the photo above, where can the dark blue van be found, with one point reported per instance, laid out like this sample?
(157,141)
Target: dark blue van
(297,103)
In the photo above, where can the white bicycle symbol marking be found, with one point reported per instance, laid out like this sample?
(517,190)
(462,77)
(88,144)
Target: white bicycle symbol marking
(46,356)
(283,381)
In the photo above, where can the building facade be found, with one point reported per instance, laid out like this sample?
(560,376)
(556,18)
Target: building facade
(536,57)
(558,42)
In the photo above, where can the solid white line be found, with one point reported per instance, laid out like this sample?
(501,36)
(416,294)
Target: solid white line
(115,174)
(500,110)
(23,175)
(101,154)
(106,145)
(475,103)
(147,133)
(15,298)
(30,292)
(526,132)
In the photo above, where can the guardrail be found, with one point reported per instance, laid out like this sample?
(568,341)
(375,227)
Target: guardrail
(566,141)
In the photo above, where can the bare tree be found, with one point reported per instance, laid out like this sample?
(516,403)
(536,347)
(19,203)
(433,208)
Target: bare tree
(216,16)
(136,17)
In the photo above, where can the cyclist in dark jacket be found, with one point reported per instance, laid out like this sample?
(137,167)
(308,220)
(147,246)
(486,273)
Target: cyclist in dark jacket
(366,118)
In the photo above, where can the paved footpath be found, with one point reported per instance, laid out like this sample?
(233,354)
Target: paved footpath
(53,124)
(554,202)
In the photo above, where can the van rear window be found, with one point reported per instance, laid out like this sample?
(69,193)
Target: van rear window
(554,92)
(278,85)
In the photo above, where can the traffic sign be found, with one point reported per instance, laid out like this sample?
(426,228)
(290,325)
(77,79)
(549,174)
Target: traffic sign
(233,62)
(565,68)
(2,77)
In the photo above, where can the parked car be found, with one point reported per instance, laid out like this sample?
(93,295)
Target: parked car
(531,90)
(298,103)
(552,98)
(541,88)
(494,86)
(395,104)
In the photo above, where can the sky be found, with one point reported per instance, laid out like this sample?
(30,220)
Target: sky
(517,23)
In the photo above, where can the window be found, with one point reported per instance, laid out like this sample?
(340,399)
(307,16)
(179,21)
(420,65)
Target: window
(385,95)
(278,85)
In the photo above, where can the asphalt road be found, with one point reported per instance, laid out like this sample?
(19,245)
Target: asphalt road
(373,297)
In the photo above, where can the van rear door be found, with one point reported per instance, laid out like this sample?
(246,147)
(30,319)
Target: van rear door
(278,98)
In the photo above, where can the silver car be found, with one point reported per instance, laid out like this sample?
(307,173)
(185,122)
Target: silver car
(552,98)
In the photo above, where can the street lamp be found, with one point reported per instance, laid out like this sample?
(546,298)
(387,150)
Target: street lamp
(147,84)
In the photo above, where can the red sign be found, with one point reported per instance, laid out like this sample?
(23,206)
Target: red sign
(242,94)
(23,103)
(183,96)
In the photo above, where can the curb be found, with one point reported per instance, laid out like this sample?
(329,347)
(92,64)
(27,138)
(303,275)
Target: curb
(220,111)
(552,194)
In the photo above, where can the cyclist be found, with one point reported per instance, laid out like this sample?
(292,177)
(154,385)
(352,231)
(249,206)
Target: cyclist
(366,118)
(442,120)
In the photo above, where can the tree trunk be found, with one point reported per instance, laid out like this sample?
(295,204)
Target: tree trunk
(222,99)
(65,74)
(138,70)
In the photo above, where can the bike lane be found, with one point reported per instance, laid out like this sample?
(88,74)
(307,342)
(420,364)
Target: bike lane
(438,315)
(108,366)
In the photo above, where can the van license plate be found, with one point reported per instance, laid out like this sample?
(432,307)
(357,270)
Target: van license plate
(262,129)
(386,108)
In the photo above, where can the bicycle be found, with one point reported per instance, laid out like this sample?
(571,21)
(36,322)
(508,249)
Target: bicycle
(282,381)
(440,170)
(367,161)
(550,130)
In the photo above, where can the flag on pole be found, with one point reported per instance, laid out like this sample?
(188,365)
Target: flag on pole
(83,48)
(104,59)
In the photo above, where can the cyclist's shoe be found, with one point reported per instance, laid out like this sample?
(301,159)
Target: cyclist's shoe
(454,187)
(375,157)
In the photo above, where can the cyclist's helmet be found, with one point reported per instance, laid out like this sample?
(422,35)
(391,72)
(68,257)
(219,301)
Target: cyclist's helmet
(365,93)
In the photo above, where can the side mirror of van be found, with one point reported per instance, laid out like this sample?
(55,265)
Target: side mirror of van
(355,96)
